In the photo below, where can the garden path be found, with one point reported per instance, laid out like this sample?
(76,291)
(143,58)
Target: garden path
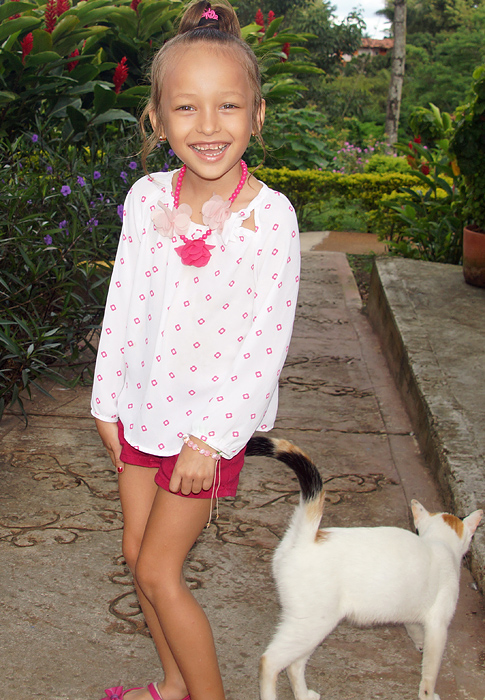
(70,622)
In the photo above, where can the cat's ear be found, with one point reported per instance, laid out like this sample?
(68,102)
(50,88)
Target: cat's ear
(472,521)
(419,512)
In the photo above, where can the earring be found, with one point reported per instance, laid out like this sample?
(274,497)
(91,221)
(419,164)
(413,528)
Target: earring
(162,138)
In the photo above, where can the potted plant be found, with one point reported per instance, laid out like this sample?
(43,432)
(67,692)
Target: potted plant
(468,146)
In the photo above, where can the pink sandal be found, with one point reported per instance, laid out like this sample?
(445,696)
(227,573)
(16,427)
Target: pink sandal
(117,692)
(153,690)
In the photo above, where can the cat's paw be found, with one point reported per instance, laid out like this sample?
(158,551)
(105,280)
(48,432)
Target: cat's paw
(312,695)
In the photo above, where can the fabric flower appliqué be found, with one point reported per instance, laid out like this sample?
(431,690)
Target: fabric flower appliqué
(215,213)
(169,221)
(195,253)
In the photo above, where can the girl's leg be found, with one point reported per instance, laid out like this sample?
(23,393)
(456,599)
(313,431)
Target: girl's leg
(172,528)
(137,493)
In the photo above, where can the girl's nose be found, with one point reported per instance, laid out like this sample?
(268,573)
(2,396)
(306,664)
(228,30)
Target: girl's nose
(208,122)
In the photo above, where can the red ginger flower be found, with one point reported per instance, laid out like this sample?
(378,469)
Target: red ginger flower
(271,17)
(120,74)
(62,6)
(72,64)
(27,45)
(134,5)
(50,15)
(425,169)
(286,50)
(417,139)
(259,19)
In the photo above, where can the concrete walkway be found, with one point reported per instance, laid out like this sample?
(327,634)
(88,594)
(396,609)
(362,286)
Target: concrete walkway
(70,622)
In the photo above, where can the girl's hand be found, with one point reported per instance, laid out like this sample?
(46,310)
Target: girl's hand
(193,471)
(108,433)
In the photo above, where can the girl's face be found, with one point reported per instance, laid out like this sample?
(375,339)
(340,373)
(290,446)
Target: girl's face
(207,110)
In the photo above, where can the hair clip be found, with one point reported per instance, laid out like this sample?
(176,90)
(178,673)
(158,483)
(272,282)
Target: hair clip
(210,14)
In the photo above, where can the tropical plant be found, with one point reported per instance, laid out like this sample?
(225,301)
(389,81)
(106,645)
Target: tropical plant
(468,145)
(433,214)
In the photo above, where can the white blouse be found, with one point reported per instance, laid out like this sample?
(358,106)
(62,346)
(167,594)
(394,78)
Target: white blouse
(187,350)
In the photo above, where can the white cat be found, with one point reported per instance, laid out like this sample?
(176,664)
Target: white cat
(364,575)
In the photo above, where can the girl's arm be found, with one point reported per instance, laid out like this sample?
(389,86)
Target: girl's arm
(108,433)
(110,365)
(247,400)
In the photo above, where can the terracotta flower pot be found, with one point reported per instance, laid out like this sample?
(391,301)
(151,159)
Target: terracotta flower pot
(474,256)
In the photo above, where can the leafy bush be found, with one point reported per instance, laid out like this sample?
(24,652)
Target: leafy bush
(430,218)
(294,138)
(382,163)
(305,187)
(60,217)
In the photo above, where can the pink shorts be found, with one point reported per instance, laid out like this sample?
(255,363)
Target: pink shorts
(229,476)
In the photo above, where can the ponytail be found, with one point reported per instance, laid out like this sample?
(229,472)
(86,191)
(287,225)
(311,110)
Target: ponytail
(226,20)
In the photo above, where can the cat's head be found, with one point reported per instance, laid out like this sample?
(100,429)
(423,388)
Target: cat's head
(458,533)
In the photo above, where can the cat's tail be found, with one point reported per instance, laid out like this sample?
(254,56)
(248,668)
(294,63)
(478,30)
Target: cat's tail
(311,485)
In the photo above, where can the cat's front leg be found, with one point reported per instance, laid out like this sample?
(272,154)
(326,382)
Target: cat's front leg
(296,674)
(416,632)
(435,634)
(268,674)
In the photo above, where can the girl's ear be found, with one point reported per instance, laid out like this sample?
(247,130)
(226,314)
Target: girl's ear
(158,129)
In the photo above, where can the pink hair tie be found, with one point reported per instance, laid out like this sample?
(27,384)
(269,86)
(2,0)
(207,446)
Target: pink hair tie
(210,14)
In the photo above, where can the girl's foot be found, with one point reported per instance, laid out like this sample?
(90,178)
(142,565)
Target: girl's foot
(154,692)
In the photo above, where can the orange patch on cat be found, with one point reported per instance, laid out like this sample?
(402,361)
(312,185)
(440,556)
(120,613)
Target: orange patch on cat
(321,536)
(455,523)
(287,446)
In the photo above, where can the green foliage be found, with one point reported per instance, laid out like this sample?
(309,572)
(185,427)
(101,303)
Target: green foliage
(382,163)
(334,214)
(468,144)
(294,138)
(430,217)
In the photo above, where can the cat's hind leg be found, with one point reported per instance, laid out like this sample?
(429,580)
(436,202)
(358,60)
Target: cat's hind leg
(296,674)
(416,632)
(435,635)
(294,640)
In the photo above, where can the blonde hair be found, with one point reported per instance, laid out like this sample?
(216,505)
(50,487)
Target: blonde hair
(225,33)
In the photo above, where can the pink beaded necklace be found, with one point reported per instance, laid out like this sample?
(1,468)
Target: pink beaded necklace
(215,211)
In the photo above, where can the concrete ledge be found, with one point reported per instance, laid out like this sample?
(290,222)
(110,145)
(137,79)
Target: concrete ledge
(431,325)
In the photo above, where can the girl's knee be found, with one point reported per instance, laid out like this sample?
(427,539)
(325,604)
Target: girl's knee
(131,552)
(156,580)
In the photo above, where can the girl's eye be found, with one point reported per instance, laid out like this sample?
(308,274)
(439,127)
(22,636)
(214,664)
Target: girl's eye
(184,108)
(229,106)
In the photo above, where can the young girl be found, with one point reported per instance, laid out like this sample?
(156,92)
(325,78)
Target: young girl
(196,330)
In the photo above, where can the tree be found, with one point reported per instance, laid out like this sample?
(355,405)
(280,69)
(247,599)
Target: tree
(397,71)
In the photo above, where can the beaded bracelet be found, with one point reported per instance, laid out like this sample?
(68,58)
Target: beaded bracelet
(206,453)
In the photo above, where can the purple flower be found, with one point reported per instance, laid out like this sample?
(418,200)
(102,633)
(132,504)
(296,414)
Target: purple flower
(119,209)
(65,190)
(123,176)
(35,138)
(96,175)
(165,168)
(92,223)
(63,224)
(80,181)
(171,153)
(47,239)
(132,165)
(49,169)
